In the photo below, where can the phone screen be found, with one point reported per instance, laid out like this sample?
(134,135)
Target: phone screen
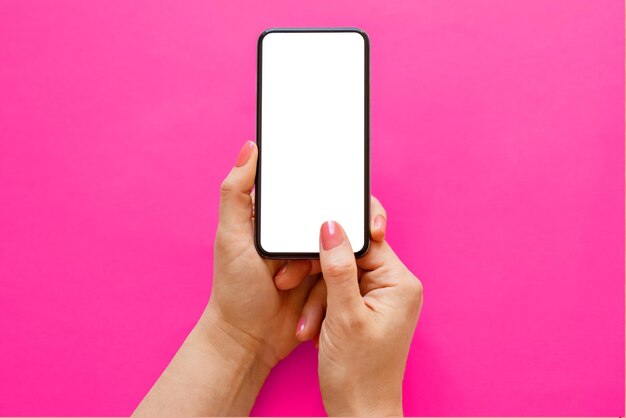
(313,136)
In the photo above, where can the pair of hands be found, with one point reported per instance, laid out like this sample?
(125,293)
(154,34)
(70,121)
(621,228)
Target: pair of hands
(363,311)
(361,314)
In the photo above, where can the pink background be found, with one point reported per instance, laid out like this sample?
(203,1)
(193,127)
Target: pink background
(497,148)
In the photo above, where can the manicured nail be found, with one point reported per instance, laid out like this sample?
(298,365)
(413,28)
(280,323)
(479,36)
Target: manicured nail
(244,154)
(281,272)
(301,324)
(331,235)
(379,223)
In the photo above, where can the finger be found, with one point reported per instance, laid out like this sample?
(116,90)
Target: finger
(252,220)
(252,202)
(312,313)
(339,269)
(378,221)
(273,266)
(235,200)
(379,254)
(298,295)
(292,274)
(372,280)
(315,267)
(367,284)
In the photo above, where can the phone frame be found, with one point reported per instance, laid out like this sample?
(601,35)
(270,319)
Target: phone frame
(257,188)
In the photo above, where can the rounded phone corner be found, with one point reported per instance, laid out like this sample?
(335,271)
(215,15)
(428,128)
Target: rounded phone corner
(363,34)
(266,32)
(259,248)
(364,249)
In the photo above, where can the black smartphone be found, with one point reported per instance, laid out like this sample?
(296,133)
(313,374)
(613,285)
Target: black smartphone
(313,139)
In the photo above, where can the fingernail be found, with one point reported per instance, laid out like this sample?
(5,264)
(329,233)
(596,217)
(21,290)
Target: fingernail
(331,235)
(301,324)
(379,223)
(280,272)
(244,154)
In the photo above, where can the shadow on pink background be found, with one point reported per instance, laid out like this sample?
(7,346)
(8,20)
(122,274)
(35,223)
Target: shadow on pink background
(497,149)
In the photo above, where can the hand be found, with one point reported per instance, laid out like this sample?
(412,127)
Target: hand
(372,307)
(248,324)
(258,300)
(247,301)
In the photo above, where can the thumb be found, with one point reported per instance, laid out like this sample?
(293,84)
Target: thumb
(339,268)
(235,199)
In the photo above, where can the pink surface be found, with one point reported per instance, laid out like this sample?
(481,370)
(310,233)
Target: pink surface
(497,148)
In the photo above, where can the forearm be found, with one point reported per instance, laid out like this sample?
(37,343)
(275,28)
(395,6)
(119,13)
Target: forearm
(384,401)
(212,374)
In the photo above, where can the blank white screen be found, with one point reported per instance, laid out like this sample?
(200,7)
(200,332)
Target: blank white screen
(312,138)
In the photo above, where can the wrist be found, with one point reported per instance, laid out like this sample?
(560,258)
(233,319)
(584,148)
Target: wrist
(212,374)
(384,402)
(237,363)
(233,344)
(392,409)
(368,410)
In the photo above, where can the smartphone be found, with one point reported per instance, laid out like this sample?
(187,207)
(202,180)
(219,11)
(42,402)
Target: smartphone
(313,139)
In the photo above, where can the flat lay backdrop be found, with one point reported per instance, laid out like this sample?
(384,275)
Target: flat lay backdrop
(497,149)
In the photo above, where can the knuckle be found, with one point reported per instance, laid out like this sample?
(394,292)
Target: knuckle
(340,270)
(227,186)
(355,322)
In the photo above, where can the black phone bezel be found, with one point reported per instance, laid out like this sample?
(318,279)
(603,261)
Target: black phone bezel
(257,188)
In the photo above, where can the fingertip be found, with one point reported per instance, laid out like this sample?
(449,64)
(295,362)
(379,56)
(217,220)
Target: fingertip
(313,313)
(245,153)
(339,267)
(292,274)
(308,328)
(236,187)
(378,222)
(378,228)
(279,281)
(331,235)
(301,329)
(377,236)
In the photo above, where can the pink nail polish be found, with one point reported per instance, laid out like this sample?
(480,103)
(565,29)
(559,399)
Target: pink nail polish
(331,235)
(244,154)
(301,325)
(280,272)
(379,223)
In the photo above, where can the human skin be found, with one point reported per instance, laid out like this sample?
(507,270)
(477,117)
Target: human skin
(371,308)
(251,319)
